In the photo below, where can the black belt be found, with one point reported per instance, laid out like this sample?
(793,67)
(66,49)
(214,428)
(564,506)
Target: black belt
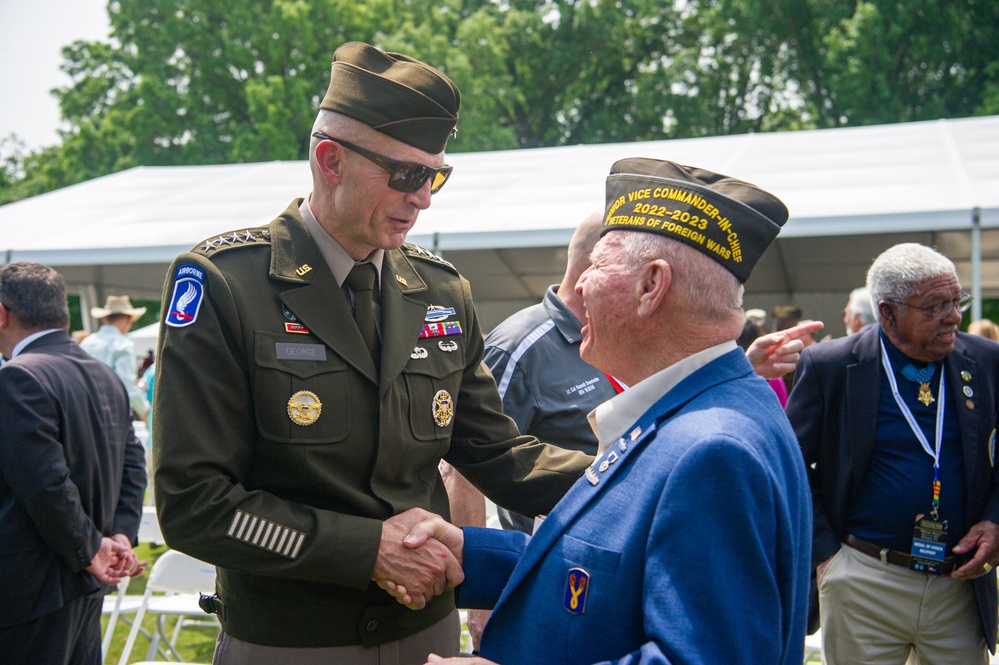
(945,567)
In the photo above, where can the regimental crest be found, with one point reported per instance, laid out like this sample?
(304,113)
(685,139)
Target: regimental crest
(188,291)
(577,588)
(443,408)
(304,408)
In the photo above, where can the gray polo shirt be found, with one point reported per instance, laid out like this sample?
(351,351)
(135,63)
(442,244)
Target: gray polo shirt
(545,386)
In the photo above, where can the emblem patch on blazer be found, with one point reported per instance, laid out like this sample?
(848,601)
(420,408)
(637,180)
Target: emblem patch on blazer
(443,408)
(188,290)
(577,588)
(304,408)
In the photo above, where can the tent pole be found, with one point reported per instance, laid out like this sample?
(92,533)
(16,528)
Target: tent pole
(976,263)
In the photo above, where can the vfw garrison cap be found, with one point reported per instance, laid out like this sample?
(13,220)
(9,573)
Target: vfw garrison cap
(730,220)
(395,94)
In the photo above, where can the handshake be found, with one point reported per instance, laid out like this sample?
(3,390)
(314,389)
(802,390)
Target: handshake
(419,556)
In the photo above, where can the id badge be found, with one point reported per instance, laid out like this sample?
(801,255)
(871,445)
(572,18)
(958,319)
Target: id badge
(929,545)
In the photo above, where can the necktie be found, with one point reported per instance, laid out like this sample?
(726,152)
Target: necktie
(361,282)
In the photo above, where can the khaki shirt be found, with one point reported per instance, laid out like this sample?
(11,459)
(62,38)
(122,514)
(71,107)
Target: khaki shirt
(279,451)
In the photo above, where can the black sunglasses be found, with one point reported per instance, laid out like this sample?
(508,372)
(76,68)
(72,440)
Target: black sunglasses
(403,176)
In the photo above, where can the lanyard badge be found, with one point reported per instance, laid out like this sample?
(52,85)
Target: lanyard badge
(929,538)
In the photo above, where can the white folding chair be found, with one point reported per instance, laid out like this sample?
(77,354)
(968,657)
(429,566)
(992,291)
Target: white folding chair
(115,605)
(149,527)
(176,580)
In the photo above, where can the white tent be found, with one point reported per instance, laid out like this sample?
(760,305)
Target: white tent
(505,217)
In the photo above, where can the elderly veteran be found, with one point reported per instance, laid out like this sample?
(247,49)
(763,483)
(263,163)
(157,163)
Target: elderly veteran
(897,425)
(696,522)
(311,375)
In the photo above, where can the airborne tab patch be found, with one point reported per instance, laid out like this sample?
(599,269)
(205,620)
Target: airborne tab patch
(188,290)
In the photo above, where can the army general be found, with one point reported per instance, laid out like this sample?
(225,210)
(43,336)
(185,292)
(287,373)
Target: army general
(312,373)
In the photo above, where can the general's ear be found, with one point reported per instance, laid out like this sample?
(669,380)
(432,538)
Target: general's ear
(329,157)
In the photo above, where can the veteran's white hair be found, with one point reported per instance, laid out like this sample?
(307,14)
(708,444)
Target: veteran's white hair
(898,271)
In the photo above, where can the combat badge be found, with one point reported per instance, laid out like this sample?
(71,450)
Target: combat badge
(443,408)
(448,346)
(438,313)
(188,290)
(577,588)
(304,408)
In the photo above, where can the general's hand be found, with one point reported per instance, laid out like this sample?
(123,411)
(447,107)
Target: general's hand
(776,354)
(475,660)
(105,564)
(421,572)
(983,540)
(431,530)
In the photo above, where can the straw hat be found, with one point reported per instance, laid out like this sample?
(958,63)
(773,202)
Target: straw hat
(117,305)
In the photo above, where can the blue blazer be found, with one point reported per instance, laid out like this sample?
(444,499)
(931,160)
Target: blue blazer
(688,541)
(71,471)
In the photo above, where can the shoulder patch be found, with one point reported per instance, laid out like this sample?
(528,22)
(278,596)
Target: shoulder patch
(419,252)
(246,237)
(188,290)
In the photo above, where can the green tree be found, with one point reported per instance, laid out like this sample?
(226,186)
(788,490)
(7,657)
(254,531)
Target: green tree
(220,81)
(881,61)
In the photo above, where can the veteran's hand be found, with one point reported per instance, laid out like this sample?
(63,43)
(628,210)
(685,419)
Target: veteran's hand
(418,571)
(983,540)
(775,354)
(474,660)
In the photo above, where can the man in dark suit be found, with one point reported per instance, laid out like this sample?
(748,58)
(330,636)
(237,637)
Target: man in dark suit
(72,478)
(897,426)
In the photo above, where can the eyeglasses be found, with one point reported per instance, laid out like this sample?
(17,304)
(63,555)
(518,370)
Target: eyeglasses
(403,176)
(943,310)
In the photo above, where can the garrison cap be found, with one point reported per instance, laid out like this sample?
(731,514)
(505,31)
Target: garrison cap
(395,94)
(730,220)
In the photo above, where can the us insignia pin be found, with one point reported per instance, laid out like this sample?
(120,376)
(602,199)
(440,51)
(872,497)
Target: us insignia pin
(577,588)
(304,408)
(443,408)
(966,375)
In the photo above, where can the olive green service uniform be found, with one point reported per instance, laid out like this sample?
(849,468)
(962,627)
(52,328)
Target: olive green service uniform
(279,450)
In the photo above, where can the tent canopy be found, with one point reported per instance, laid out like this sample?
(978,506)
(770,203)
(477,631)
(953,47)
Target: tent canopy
(505,217)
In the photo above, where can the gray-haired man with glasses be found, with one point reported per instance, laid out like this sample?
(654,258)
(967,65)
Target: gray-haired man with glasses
(898,425)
